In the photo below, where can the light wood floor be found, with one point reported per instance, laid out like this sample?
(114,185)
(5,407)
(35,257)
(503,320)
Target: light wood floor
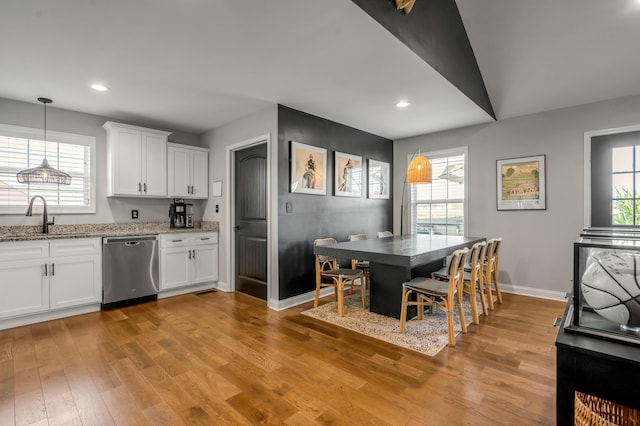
(222,358)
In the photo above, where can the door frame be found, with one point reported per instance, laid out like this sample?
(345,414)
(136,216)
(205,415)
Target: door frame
(231,200)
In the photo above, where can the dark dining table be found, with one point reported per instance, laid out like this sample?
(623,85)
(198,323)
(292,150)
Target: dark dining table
(397,259)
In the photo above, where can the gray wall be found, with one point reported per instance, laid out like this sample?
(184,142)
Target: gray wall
(107,209)
(537,255)
(220,141)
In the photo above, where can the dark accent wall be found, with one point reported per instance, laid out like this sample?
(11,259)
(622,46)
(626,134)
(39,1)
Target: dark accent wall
(321,216)
(601,169)
(435,32)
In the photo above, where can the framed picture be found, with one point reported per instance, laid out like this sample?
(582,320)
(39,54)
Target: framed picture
(521,183)
(378,179)
(308,169)
(348,175)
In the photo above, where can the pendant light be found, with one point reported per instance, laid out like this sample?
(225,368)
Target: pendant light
(44,173)
(418,171)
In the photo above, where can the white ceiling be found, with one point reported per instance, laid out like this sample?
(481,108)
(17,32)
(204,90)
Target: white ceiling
(194,65)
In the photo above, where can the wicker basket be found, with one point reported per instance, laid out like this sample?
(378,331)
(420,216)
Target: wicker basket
(594,411)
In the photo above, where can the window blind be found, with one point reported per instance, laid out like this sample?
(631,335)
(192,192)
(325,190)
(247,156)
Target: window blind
(72,156)
(438,207)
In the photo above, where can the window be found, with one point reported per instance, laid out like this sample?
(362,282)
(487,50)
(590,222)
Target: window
(615,179)
(22,148)
(439,207)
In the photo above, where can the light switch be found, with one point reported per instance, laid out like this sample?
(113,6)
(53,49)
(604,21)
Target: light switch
(289,206)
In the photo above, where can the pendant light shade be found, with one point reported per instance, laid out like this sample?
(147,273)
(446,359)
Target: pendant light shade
(44,173)
(419,170)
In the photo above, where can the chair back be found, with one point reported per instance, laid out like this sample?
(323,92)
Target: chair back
(456,271)
(384,234)
(324,263)
(476,257)
(496,252)
(356,237)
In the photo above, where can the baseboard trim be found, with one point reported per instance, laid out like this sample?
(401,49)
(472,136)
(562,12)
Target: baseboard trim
(47,316)
(185,290)
(534,292)
(280,305)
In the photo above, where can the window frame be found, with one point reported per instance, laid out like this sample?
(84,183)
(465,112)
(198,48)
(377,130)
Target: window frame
(412,207)
(57,137)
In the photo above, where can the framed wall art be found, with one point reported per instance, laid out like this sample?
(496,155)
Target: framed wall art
(348,171)
(308,169)
(378,179)
(521,183)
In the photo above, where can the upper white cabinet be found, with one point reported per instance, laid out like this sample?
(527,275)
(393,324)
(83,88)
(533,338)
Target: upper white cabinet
(136,161)
(188,171)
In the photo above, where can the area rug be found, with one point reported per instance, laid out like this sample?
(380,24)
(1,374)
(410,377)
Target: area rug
(427,336)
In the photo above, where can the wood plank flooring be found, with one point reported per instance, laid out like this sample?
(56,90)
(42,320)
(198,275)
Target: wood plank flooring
(224,358)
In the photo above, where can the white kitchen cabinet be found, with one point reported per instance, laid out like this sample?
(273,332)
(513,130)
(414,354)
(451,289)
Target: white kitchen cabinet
(75,272)
(188,171)
(136,161)
(187,259)
(41,276)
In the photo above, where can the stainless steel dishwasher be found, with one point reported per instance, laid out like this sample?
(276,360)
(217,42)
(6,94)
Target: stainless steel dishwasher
(129,270)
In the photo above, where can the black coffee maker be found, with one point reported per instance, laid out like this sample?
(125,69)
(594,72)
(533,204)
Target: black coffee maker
(180,214)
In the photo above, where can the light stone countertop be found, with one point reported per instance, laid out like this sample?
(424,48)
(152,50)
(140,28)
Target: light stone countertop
(92,230)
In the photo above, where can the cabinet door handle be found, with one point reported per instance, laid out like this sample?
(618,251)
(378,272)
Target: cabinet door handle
(204,238)
(53,270)
(140,187)
(145,187)
(193,190)
(176,241)
(194,254)
(46,274)
(189,254)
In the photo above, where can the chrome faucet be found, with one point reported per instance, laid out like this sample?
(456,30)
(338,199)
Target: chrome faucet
(45,219)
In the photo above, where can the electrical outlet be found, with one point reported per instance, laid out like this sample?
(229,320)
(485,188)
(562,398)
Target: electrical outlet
(134,214)
(217,208)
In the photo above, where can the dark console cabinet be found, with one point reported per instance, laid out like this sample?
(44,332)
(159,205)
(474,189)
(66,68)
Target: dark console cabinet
(599,367)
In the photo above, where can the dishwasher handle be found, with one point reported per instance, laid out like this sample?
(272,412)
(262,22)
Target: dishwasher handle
(131,243)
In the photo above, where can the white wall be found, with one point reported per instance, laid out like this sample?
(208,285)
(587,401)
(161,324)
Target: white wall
(536,256)
(264,122)
(108,210)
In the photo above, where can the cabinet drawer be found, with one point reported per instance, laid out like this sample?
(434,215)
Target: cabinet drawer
(23,250)
(205,238)
(175,240)
(75,247)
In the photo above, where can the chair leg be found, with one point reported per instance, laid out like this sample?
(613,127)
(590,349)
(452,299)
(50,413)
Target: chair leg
(463,323)
(403,308)
(451,331)
(317,297)
(497,286)
(487,287)
(483,300)
(340,296)
(474,303)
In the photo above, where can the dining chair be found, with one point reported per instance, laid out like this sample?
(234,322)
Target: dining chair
(328,274)
(444,295)
(363,265)
(384,234)
(473,280)
(492,269)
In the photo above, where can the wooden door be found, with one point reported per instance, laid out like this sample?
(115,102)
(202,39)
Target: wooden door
(251,221)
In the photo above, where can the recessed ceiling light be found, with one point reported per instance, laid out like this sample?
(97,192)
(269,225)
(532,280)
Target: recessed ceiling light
(402,104)
(99,87)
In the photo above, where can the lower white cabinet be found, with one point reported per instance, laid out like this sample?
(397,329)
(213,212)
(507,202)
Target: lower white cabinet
(41,276)
(187,259)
